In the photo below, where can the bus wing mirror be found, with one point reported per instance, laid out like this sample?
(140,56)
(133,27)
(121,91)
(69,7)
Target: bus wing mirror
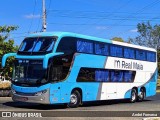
(4,58)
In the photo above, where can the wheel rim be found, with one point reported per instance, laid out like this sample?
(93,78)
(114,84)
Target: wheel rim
(133,96)
(141,95)
(73,99)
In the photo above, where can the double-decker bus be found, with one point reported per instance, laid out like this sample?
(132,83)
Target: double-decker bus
(70,68)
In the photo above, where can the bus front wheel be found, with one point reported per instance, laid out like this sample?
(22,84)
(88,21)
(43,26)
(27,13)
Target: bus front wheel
(75,99)
(133,96)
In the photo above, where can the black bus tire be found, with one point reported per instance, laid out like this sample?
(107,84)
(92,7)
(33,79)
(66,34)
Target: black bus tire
(141,95)
(133,97)
(75,99)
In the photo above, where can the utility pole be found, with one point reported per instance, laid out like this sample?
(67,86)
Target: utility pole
(44,26)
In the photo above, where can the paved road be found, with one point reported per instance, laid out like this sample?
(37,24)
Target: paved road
(150,104)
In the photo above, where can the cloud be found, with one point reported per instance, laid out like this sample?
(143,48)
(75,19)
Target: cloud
(101,27)
(133,30)
(31,16)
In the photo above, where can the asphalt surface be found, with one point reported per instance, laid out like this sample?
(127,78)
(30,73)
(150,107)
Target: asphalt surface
(151,104)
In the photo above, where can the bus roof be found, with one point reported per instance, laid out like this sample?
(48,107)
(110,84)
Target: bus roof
(70,34)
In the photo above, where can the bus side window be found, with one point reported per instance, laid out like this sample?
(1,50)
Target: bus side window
(140,55)
(151,56)
(116,76)
(86,75)
(116,51)
(127,76)
(84,46)
(55,73)
(102,75)
(129,53)
(67,45)
(101,49)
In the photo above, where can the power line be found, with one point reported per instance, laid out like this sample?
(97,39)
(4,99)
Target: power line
(120,7)
(35,3)
(50,2)
(138,12)
(19,33)
(85,24)
(119,34)
(94,12)
(39,20)
(112,18)
(129,29)
(16,37)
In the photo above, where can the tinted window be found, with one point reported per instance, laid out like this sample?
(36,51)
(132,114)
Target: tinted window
(101,75)
(116,76)
(129,76)
(116,51)
(129,53)
(101,49)
(27,45)
(44,45)
(86,75)
(37,45)
(151,56)
(29,72)
(140,55)
(67,45)
(105,75)
(84,46)
(59,67)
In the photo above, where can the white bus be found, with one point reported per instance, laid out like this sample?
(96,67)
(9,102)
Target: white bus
(62,67)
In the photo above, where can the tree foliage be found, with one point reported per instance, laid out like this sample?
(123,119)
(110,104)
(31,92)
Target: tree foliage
(119,39)
(148,35)
(6,46)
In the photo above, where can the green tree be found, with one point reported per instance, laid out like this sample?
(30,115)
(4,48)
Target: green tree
(148,35)
(6,46)
(119,39)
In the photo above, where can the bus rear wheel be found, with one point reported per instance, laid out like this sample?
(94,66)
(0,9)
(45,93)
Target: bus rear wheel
(141,95)
(75,99)
(133,96)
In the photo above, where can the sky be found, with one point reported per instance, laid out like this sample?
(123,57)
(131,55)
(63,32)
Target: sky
(99,18)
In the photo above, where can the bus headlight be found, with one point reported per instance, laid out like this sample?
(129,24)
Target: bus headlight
(40,92)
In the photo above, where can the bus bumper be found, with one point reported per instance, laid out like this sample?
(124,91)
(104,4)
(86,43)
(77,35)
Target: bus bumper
(42,98)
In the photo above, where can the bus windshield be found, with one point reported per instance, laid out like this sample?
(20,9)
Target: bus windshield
(29,72)
(37,45)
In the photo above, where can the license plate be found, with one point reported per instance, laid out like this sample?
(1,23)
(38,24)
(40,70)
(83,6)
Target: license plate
(22,98)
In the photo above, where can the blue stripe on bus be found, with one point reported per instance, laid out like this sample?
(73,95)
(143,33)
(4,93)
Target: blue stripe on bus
(30,89)
(89,91)
(150,86)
